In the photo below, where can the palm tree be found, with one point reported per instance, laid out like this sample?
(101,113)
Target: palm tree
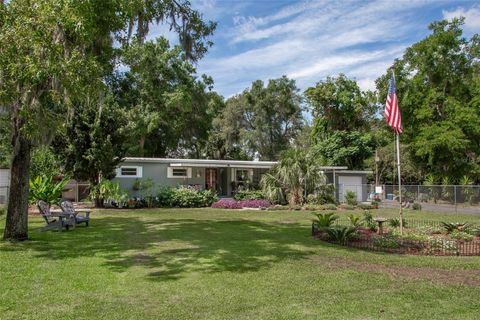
(296,174)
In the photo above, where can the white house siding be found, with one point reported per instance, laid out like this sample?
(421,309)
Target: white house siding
(4,185)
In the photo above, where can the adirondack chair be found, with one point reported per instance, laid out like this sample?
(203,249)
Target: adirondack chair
(53,222)
(67,208)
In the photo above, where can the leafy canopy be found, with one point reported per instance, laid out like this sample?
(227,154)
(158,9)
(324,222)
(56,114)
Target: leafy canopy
(438,82)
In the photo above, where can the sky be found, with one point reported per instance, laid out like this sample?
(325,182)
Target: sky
(310,40)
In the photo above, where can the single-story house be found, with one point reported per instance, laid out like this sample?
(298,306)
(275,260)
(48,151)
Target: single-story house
(223,176)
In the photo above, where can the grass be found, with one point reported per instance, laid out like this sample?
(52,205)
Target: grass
(220,264)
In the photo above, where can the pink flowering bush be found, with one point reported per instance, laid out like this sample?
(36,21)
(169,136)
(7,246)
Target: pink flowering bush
(227,204)
(255,203)
(234,204)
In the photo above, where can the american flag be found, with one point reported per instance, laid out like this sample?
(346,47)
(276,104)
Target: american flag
(392,112)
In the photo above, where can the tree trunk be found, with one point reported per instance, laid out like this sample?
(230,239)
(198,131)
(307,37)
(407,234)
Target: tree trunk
(16,227)
(99,203)
(141,144)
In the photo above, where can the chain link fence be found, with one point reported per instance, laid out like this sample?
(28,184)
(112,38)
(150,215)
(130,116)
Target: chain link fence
(440,198)
(76,191)
(444,198)
(364,192)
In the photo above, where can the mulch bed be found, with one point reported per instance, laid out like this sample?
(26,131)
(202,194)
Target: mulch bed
(438,245)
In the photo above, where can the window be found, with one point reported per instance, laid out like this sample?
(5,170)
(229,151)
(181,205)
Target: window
(179,172)
(129,172)
(174,172)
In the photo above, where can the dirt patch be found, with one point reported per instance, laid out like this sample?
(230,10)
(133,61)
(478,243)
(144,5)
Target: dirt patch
(465,277)
(286,222)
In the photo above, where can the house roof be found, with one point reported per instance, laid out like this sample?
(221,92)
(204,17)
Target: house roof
(217,163)
(354,171)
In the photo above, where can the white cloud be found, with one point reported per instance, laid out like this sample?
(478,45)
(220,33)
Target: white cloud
(214,9)
(337,62)
(472,17)
(311,40)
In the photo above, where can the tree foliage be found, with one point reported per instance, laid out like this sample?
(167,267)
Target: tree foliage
(342,118)
(45,163)
(296,175)
(164,98)
(338,104)
(55,54)
(438,85)
(94,141)
(345,148)
(262,121)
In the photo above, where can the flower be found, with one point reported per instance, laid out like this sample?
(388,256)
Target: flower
(234,204)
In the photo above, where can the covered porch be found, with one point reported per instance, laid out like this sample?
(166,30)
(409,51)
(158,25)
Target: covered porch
(226,178)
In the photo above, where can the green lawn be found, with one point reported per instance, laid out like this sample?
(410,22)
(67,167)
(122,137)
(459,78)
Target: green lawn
(217,264)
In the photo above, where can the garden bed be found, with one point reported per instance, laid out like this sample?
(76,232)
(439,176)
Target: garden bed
(419,238)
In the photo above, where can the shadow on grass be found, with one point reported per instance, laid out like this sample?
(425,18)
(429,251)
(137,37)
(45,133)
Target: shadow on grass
(168,248)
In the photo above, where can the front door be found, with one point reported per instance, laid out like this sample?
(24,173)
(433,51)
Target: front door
(211,179)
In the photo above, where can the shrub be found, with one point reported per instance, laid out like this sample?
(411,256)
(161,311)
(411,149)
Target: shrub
(316,207)
(395,223)
(312,199)
(249,195)
(278,207)
(474,231)
(208,197)
(185,197)
(386,242)
(325,220)
(365,206)
(227,204)
(467,189)
(165,196)
(417,206)
(429,230)
(345,206)
(191,198)
(44,188)
(329,206)
(413,236)
(255,203)
(107,191)
(351,198)
(341,234)
(442,244)
(354,220)
(295,207)
(368,221)
(2,211)
(452,226)
(323,195)
(461,236)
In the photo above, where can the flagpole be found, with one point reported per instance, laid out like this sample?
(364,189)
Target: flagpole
(399,172)
(399,184)
(394,161)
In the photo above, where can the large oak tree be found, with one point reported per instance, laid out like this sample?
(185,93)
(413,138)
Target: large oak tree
(53,54)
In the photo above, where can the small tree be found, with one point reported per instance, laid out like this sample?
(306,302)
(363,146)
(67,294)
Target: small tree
(46,189)
(295,175)
(44,163)
(468,189)
(94,142)
(351,198)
